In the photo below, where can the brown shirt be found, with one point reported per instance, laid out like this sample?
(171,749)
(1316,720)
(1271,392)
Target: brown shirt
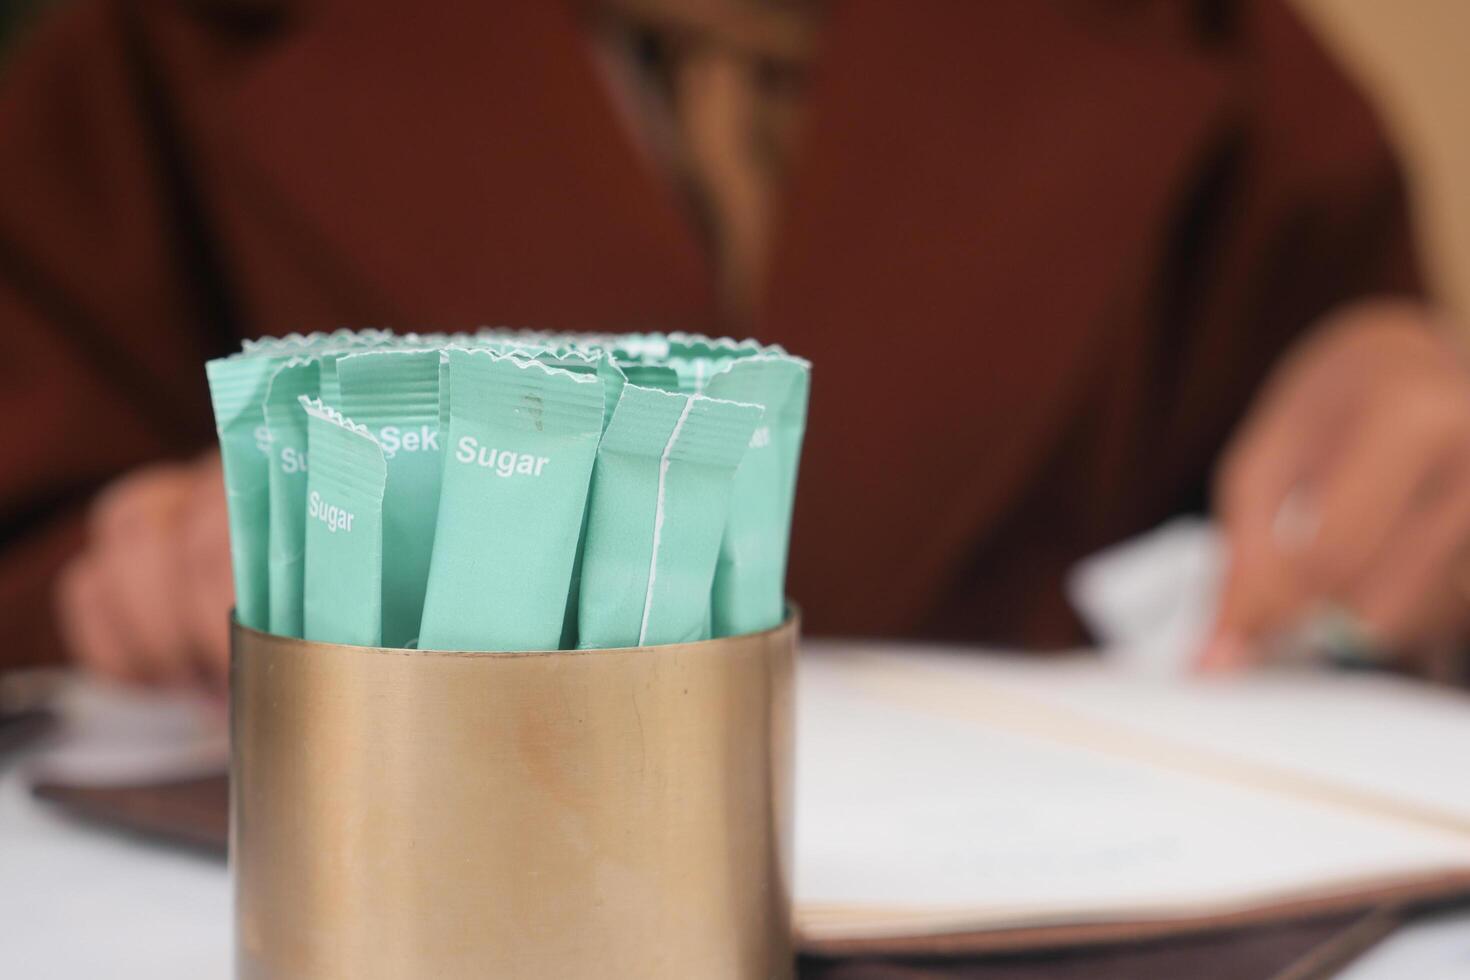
(1041,253)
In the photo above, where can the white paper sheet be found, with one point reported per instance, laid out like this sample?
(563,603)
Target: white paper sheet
(1374,733)
(915,807)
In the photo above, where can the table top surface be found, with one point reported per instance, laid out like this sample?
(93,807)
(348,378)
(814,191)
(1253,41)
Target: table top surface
(79,901)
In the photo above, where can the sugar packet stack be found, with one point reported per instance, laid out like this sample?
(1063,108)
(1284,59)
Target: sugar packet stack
(509,490)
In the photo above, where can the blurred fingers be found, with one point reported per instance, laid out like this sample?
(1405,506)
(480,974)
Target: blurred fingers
(1377,486)
(90,628)
(1259,504)
(1262,594)
(143,498)
(208,586)
(1341,488)
(138,581)
(1417,594)
(134,529)
(120,602)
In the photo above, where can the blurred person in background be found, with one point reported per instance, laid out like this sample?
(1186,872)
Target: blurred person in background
(1060,265)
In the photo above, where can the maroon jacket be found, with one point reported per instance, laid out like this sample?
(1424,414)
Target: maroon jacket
(1040,251)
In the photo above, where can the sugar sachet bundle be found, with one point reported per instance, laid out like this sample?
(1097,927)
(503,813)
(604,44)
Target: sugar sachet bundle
(509,490)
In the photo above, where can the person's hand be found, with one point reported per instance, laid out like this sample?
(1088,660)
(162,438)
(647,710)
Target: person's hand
(1349,487)
(148,600)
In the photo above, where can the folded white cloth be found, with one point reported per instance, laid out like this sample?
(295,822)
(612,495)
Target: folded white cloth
(1151,600)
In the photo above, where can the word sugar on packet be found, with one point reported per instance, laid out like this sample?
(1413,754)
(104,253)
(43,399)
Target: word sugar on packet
(343,600)
(509,490)
(518,458)
(286,553)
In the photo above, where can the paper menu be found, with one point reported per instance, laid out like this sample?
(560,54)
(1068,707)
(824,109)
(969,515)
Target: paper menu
(1391,741)
(933,799)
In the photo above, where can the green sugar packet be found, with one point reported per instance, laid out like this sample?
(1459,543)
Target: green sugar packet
(552,351)
(237,388)
(286,549)
(521,443)
(613,380)
(750,578)
(343,587)
(395,393)
(656,516)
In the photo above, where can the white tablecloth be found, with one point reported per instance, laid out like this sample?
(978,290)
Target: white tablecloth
(77,902)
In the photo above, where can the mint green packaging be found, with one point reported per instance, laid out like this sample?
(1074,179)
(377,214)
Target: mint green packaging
(327,348)
(637,346)
(551,351)
(656,516)
(613,380)
(343,587)
(237,387)
(660,376)
(443,394)
(330,383)
(395,393)
(518,456)
(327,384)
(301,345)
(286,549)
(614,377)
(695,358)
(750,578)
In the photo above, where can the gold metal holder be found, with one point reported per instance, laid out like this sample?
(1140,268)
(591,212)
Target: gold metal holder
(600,814)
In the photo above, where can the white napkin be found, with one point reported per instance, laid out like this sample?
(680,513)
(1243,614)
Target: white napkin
(1151,600)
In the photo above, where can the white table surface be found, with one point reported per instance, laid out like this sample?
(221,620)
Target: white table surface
(78,902)
(1436,948)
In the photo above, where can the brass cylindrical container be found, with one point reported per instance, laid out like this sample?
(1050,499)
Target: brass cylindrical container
(559,815)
